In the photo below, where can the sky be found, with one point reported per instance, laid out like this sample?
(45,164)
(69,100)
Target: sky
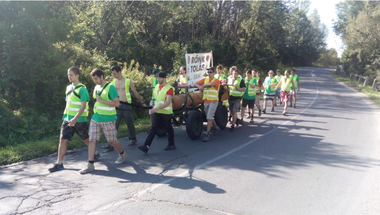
(326,11)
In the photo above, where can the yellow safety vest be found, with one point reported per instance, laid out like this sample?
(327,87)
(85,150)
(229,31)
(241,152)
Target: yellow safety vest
(127,93)
(210,93)
(161,99)
(285,86)
(101,108)
(73,102)
(233,91)
(251,90)
(183,82)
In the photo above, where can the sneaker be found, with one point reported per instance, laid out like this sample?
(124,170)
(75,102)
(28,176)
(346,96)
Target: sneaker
(108,148)
(272,109)
(251,121)
(264,111)
(121,158)
(280,102)
(144,148)
(294,106)
(284,113)
(216,131)
(97,156)
(56,167)
(132,142)
(291,105)
(232,128)
(168,148)
(241,122)
(90,167)
(259,112)
(206,138)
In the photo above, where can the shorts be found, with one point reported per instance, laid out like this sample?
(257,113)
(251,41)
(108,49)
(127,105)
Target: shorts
(67,132)
(278,93)
(292,92)
(249,102)
(108,128)
(234,105)
(284,96)
(210,109)
(269,96)
(151,103)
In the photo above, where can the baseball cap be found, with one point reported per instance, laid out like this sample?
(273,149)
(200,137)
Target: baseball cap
(155,71)
(211,68)
(162,75)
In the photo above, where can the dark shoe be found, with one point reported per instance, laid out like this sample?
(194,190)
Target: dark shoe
(108,148)
(206,138)
(56,167)
(251,121)
(280,103)
(168,148)
(272,109)
(97,156)
(216,131)
(144,148)
(294,106)
(241,122)
(264,111)
(232,128)
(291,105)
(259,112)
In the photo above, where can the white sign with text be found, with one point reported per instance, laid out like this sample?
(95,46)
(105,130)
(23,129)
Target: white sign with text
(196,66)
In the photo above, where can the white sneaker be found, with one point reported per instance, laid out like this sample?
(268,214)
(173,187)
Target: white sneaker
(90,167)
(121,158)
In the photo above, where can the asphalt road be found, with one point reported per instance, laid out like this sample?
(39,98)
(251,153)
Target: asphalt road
(323,158)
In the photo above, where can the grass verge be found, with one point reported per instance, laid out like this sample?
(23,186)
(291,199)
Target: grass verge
(34,149)
(372,94)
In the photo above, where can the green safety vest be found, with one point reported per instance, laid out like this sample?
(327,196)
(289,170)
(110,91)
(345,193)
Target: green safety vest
(183,82)
(101,108)
(258,88)
(73,102)
(295,77)
(127,93)
(251,90)
(272,81)
(285,86)
(161,99)
(233,91)
(279,78)
(210,93)
(154,83)
(220,77)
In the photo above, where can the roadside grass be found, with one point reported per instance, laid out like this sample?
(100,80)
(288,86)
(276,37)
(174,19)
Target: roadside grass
(34,149)
(372,94)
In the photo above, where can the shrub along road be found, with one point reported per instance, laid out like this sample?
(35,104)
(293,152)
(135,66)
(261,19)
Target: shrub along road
(323,158)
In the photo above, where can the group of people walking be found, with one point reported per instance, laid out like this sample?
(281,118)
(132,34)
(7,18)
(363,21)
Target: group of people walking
(113,103)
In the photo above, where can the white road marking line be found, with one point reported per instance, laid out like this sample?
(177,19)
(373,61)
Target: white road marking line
(186,173)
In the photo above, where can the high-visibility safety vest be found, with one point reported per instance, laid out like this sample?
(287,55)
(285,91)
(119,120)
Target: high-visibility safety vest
(258,88)
(233,91)
(210,93)
(101,108)
(251,90)
(220,77)
(182,82)
(154,83)
(278,77)
(73,102)
(272,81)
(161,98)
(295,77)
(127,93)
(285,85)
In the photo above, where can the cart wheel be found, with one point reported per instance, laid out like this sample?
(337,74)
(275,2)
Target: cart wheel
(194,124)
(161,131)
(221,116)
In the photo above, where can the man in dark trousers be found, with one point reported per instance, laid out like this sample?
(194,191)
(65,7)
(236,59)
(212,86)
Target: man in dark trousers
(161,113)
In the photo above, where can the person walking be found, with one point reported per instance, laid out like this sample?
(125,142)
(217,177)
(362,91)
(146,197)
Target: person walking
(259,81)
(103,119)
(124,86)
(270,84)
(219,74)
(294,91)
(161,113)
(249,95)
(74,116)
(285,83)
(236,92)
(278,78)
(210,88)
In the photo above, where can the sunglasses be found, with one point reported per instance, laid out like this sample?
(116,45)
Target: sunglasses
(210,72)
